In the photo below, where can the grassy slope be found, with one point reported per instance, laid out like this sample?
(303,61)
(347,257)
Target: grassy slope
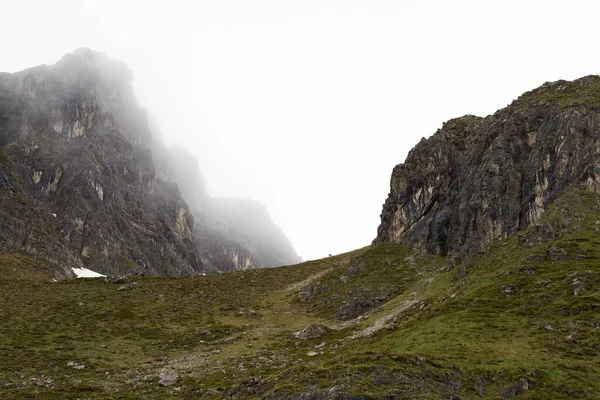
(519,319)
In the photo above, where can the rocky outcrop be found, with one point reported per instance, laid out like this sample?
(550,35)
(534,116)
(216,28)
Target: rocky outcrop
(86,182)
(480,179)
(81,146)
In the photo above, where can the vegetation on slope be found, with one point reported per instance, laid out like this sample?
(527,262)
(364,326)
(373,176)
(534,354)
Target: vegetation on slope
(518,320)
(582,91)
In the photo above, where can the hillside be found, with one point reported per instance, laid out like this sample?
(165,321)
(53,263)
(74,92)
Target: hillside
(483,282)
(517,320)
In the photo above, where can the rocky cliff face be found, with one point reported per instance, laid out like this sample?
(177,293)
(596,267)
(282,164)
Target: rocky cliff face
(81,149)
(83,180)
(480,179)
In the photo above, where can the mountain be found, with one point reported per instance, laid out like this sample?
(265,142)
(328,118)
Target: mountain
(481,179)
(230,233)
(519,320)
(87,183)
(471,311)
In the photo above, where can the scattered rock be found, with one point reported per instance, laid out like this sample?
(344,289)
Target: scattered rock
(480,384)
(312,353)
(309,292)
(312,332)
(117,279)
(509,289)
(128,286)
(461,272)
(76,365)
(386,379)
(580,280)
(227,340)
(167,377)
(249,313)
(528,270)
(356,267)
(451,261)
(556,253)
(517,389)
(364,300)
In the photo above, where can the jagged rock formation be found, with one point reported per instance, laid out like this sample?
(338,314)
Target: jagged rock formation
(82,149)
(85,182)
(480,179)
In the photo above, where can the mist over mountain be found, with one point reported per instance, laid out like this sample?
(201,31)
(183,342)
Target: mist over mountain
(231,233)
(483,282)
(97,187)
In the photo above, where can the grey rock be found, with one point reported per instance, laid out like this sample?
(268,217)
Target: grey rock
(480,385)
(516,389)
(76,365)
(451,261)
(356,267)
(481,179)
(126,287)
(86,182)
(528,270)
(312,332)
(117,279)
(167,377)
(249,313)
(82,148)
(309,292)
(509,289)
(364,300)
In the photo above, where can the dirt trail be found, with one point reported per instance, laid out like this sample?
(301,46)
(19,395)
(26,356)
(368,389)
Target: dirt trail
(300,285)
(381,323)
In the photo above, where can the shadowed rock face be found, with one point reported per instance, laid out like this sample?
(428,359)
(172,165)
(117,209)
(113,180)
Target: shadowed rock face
(81,146)
(84,182)
(479,179)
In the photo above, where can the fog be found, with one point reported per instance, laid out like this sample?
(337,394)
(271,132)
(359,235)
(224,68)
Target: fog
(306,106)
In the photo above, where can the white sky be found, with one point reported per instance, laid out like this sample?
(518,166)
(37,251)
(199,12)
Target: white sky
(307,105)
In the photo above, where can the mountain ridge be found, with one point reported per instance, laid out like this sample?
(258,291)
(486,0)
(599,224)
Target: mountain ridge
(85,154)
(483,283)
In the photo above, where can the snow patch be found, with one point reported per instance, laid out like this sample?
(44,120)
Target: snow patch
(86,273)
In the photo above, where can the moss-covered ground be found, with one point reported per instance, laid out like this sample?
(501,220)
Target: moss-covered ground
(520,320)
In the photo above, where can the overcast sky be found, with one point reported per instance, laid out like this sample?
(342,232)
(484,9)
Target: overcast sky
(306,106)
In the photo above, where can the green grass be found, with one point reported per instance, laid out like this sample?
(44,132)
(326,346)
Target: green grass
(524,312)
(583,91)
